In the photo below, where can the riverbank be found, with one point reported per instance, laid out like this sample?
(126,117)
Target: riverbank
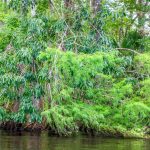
(110,132)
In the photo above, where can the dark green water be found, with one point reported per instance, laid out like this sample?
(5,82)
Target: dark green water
(28,141)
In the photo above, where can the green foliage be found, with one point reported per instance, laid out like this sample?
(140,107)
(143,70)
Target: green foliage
(27,113)
(2,114)
(60,120)
(4,40)
(145,91)
(83,75)
(18,73)
(121,91)
(142,65)
(87,117)
(133,41)
(136,114)
(146,42)
(67,119)
(59,65)
(90,79)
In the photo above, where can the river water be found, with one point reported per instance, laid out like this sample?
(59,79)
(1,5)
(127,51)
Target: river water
(30,141)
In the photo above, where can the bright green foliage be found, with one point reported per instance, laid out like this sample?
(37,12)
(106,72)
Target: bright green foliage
(136,115)
(68,119)
(73,78)
(142,64)
(60,120)
(87,77)
(145,91)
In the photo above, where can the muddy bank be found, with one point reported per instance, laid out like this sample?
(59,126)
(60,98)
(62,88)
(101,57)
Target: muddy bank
(12,126)
(103,132)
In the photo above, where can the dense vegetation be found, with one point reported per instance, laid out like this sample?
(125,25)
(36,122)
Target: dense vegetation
(71,66)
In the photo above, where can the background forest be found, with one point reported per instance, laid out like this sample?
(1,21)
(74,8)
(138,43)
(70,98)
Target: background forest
(75,65)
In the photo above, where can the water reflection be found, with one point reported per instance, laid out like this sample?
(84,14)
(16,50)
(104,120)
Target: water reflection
(30,141)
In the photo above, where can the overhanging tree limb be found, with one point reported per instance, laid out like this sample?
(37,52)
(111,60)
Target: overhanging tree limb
(127,49)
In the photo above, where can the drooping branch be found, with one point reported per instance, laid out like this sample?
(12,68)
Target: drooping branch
(127,49)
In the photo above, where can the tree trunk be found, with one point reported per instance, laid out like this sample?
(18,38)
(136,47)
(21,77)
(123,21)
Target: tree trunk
(95,6)
(51,6)
(33,8)
(95,9)
(141,16)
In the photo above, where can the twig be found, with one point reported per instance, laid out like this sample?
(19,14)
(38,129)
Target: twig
(127,49)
